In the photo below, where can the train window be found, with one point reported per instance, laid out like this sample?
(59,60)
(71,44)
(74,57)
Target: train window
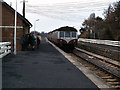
(61,34)
(67,34)
(73,34)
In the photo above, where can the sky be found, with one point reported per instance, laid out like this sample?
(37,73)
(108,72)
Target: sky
(53,14)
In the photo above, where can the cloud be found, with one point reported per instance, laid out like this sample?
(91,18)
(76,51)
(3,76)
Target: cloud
(56,13)
(71,11)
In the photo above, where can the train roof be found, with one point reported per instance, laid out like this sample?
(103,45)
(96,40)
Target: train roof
(66,28)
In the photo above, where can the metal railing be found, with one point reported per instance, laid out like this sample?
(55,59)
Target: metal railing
(105,42)
(5,48)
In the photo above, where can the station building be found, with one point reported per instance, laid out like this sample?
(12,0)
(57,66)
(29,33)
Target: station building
(8,23)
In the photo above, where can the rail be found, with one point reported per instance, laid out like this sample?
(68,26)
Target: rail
(107,64)
(5,48)
(105,42)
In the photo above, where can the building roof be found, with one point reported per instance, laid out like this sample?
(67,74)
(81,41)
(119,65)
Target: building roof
(10,8)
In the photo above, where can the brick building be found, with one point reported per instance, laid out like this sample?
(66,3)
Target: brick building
(8,23)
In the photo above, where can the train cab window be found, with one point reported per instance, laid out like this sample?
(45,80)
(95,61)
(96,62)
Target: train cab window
(73,34)
(67,34)
(61,34)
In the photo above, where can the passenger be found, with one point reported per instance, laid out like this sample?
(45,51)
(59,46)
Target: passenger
(29,41)
(39,37)
(38,41)
(32,41)
(26,41)
(22,42)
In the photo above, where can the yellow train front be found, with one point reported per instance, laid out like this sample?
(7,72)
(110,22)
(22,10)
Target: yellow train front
(64,37)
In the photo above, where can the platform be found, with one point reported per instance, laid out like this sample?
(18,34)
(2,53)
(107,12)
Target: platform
(42,68)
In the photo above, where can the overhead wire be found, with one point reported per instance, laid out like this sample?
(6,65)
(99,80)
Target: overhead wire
(65,11)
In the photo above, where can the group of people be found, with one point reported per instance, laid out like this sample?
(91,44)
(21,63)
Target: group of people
(29,41)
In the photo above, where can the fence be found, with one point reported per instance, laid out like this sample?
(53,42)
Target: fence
(106,42)
(5,48)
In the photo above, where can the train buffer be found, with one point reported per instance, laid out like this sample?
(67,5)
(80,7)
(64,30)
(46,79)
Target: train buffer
(43,68)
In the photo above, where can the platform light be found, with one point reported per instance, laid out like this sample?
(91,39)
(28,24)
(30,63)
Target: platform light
(35,25)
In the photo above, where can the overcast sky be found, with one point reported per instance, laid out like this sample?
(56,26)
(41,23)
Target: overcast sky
(53,14)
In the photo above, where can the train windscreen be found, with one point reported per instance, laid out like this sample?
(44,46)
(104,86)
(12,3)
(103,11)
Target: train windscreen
(73,34)
(61,34)
(67,34)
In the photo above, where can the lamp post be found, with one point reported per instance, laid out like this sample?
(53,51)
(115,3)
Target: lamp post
(15,29)
(34,30)
(35,25)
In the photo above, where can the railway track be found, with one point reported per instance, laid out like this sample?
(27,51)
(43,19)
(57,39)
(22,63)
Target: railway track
(106,68)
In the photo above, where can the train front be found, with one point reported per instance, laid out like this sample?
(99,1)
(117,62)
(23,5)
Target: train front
(68,39)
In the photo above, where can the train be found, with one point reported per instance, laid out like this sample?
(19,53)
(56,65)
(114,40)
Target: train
(64,37)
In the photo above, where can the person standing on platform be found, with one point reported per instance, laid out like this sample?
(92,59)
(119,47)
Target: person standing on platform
(38,41)
(22,42)
(32,40)
(26,41)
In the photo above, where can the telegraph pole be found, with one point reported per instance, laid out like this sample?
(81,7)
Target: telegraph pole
(24,8)
(23,15)
(24,1)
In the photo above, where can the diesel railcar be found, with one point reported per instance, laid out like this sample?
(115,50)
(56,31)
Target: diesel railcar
(64,37)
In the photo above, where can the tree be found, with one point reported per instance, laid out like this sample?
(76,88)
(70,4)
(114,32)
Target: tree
(91,25)
(82,30)
(112,20)
(109,28)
